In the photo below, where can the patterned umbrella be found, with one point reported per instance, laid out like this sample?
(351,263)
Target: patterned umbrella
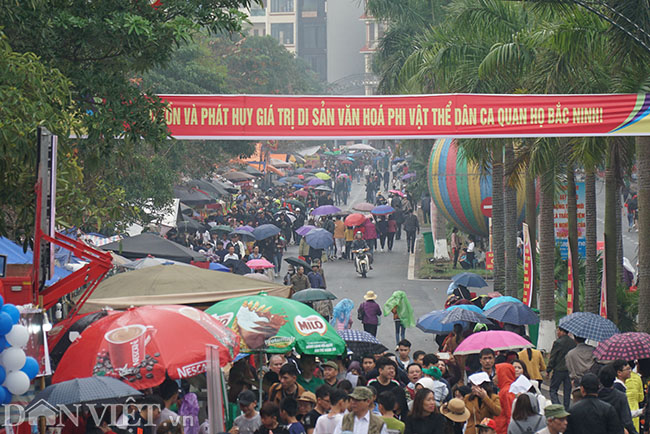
(624,346)
(463,312)
(430,323)
(589,326)
(383,210)
(513,313)
(361,342)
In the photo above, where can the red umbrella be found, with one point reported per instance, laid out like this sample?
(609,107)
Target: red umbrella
(143,345)
(301,193)
(355,219)
(259,264)
(397,192)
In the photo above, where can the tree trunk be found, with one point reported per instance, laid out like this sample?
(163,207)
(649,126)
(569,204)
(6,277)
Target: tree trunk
(592,290)
(511,227)
(643,196)
(531,219)
(619,232)
(498,218)
(611,188)
(572,218)
(547,254)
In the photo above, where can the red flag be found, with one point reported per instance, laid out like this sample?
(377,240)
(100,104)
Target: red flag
(603,286)
(528,268)
(569,284)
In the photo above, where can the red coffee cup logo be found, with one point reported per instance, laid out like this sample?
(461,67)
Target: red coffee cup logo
(126,345)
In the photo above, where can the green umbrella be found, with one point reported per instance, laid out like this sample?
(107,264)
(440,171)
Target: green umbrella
(220,228)
(295,202)
(276,325)
(313,294)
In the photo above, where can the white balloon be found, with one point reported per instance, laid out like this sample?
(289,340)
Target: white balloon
(13,359)
(18,336)
(17,382)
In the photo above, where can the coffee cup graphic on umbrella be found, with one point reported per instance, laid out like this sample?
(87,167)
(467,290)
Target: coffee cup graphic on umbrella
(127,345)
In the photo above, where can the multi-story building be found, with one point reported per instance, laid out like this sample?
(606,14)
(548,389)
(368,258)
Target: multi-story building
(327,34)
(374,32)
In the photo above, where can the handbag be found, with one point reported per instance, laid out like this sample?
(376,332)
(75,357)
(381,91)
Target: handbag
(360,312)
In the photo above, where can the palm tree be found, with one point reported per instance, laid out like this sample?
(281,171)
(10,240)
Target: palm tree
(572,217)
(643,196)
(510,222)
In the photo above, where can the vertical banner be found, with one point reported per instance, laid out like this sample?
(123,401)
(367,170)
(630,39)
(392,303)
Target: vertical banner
(528,268)
(603,286)
(569,283)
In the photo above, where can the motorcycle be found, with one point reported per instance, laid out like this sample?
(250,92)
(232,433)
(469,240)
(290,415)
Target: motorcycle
(362,261)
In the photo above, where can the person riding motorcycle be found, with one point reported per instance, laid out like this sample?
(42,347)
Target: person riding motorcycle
(359,243)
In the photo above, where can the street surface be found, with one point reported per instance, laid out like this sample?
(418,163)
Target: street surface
(390,274)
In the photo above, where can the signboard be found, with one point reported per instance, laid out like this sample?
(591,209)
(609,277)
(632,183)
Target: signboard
(489,260)
(527,297)
(264,117)
(562,221)
(486,207)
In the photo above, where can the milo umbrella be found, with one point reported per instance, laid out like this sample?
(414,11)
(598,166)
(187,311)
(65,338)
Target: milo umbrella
(276,325)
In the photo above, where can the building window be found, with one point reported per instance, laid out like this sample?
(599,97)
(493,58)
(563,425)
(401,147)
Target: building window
(310,5)
(257,10)
(282,5)
(283,33)
(313,37)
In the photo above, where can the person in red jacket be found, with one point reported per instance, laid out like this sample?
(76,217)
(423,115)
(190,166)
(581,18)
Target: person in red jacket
(505,377)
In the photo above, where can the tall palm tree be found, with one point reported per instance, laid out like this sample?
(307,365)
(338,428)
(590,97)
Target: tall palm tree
(643,196)
(510,222)
(572,217)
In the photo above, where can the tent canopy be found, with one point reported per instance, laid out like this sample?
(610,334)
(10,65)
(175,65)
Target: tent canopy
(174,284)
(149,244)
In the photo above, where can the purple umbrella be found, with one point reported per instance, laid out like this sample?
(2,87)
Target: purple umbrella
(383,210)
(304,230)
(245,228)
(408,176)
(315,181)
(326,210)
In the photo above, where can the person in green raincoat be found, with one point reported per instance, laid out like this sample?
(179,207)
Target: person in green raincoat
(402,312)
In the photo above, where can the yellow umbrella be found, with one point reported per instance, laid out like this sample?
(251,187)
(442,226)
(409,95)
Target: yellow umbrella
(322,175)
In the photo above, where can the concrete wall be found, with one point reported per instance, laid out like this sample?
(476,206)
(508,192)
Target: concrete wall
(345,37)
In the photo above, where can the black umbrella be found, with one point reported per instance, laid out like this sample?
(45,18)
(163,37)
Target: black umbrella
(150,244)
(190,225)
(238,267)
(313,294)
(192,196)
(209,187)
(64,333)
(323,188)
(297,262)
(90,390)
(263,232)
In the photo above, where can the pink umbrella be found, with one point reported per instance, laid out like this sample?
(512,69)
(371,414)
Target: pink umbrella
(259,264)
(301,193)
(496,339)
(397,192)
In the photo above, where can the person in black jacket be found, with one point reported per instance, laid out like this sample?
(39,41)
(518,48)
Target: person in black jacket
(591,415)
(411,226)
(615,397)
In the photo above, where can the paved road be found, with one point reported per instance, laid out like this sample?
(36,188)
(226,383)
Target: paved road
(630,239)
(389,274)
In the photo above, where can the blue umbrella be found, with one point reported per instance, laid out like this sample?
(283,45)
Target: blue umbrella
(315,181)
(470,280)
(589,326)
(498,300)
(512,313)
(463,312)
(430,323)
(471,307)
(298,186)
(89,390)
(383,210)
(326,210)
(218,267)
(263,232)
(397,160)
(319,238)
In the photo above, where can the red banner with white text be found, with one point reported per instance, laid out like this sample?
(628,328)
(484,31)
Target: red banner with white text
(405,116)
(528,267)
(569,281)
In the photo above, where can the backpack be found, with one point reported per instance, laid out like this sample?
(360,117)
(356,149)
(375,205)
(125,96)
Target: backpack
(541,423)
